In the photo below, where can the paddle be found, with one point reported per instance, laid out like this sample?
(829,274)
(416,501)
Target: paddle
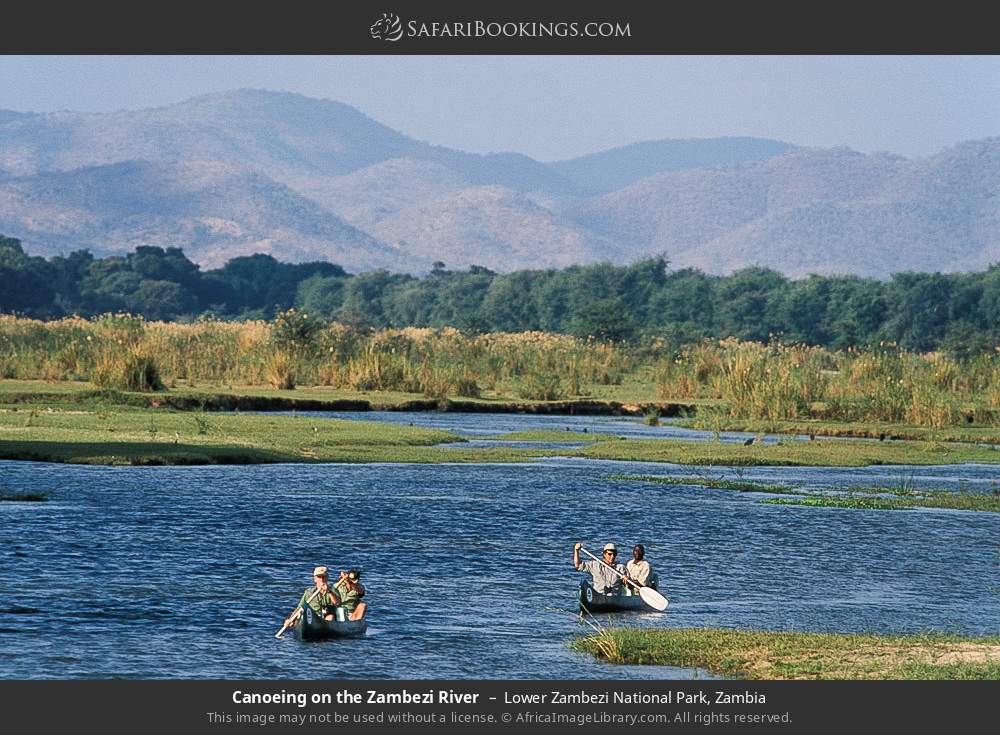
(650,596)
(295,615)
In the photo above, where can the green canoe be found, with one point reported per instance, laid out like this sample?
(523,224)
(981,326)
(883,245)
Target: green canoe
(311,627)
(625,600)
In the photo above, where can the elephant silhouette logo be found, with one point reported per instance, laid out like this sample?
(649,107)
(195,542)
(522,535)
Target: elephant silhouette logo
(387,28)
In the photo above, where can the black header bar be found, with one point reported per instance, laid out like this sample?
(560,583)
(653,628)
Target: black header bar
(514,27)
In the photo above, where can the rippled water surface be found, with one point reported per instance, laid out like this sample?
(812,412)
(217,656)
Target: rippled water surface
(187,572)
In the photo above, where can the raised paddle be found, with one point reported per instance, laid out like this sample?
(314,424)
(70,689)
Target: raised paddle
(295,615)
(650,596)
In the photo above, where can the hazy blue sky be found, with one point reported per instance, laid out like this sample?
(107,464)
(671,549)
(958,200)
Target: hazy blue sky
(553,107)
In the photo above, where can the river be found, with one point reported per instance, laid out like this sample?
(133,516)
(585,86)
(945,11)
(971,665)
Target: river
(188,571)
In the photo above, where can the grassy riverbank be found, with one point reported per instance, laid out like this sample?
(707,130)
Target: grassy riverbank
(792,655)
(136,436)
(77,422)
(325,398)
(116,434)
(878,497)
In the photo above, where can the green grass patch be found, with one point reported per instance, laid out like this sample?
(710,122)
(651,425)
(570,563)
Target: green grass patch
(952,500)
(552,436)
(859,429)
(797,453)
(742,486)
(830,501)
(136,436)
(793,655)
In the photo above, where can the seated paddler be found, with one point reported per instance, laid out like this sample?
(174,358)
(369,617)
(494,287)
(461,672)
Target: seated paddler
(639,571)
(604,580)
(350,591)
(320,597)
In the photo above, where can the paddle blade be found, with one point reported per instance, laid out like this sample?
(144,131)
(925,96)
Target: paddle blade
(653,598)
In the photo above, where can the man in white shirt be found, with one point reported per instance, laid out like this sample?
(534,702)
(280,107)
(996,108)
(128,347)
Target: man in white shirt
(604,580)
(638,568)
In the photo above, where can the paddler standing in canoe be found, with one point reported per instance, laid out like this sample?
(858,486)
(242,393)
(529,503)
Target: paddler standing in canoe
(604,580)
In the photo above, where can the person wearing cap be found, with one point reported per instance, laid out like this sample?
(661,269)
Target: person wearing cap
(638,568)
(350,590)
(320,597)
(603,579)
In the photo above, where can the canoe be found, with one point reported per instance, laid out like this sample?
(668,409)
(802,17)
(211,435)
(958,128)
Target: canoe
(311,627)
(624,601)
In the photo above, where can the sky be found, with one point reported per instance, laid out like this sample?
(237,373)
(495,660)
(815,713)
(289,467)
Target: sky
(557,107)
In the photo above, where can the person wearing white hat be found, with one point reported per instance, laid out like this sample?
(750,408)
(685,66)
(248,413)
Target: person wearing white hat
(604,580)
(321,598)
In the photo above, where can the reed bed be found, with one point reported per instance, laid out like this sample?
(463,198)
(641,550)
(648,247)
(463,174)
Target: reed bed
(789,382)
(125,352)
(753,381)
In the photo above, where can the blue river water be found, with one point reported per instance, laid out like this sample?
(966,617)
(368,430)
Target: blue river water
(188,571)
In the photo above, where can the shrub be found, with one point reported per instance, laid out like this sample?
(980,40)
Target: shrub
(540,388)
(280,370)
(132,370)
(466,386)
(294,331)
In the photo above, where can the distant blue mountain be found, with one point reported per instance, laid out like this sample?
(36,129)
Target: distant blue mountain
(304,179)
(600,173)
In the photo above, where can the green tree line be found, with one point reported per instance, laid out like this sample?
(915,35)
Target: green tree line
(959,312)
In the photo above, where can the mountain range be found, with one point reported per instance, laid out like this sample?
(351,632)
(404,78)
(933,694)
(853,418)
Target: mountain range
(303,179)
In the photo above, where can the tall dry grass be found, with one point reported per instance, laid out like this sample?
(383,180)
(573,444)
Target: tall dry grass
(293,350)
(755,381)
(776,381)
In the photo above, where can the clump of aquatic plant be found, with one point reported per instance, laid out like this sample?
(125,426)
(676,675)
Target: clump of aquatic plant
(835,502)
(756,654)
(743,486)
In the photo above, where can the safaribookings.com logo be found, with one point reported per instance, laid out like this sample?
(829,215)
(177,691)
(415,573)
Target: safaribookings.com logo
(390,28)
(387,28)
